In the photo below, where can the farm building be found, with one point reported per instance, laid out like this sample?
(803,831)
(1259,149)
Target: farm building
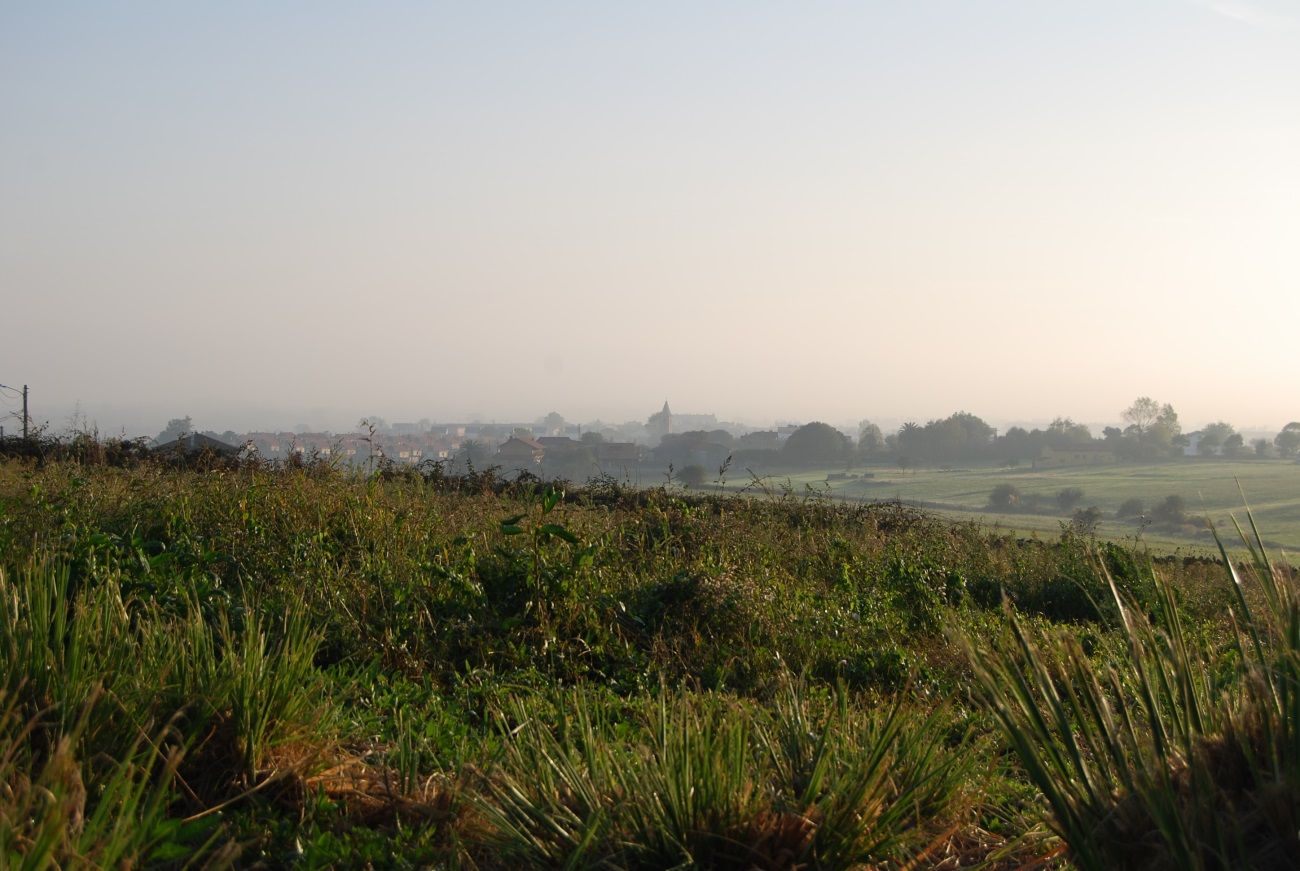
(520,452)
(196,443)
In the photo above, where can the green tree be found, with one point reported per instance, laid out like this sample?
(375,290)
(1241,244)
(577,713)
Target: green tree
(816,443)
(910,438)
(1234,445)
(763,440)
(176,427)
(1064,431)
(1165,432)
(1154,427)
(1288,440)
(958,436)
(870,439)
(1142,413)
(1213,437)
(720,437)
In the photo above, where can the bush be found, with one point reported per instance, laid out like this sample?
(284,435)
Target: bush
(1130,508)
(693,475)
(1085,520)
(1172,511)
(1004,497)
(1069,497)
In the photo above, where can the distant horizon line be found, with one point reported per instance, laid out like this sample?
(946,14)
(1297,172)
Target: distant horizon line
(76,420)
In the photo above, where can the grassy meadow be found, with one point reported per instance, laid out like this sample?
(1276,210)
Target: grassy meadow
(239,666)
(1208,486)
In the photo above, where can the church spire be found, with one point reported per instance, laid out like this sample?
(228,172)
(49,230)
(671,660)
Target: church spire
(661,422)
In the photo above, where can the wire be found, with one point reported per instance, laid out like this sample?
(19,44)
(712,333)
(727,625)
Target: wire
(14,414)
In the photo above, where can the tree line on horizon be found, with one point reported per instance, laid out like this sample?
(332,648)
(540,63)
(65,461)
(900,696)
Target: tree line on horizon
(1151,432)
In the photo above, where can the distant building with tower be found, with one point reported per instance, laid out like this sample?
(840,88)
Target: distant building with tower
(660,423)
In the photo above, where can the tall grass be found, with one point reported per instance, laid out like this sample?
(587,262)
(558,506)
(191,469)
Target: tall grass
(58,811)
(331,670)
(706,782)
(1179,753)
(112,710)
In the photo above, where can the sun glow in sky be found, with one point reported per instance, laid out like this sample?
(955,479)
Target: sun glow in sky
(258,215)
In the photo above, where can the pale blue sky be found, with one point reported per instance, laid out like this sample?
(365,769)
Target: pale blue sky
(264,213)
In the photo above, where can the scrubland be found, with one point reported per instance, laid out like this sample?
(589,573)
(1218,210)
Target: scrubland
(254,667)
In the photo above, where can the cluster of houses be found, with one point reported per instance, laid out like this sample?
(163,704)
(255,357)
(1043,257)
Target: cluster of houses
(548,448)
(352,447)
(510,446)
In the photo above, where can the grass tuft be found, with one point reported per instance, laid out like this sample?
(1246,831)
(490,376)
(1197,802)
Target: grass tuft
(1152,759)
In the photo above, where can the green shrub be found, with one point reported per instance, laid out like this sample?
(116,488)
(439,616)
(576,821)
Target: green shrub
(1172,511)
(693,475)
(1004,497)
(1130,508)
(1152,761)
(1084,521)
(1068,498)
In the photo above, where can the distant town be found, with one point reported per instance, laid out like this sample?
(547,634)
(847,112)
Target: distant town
(696,445)
(551,445)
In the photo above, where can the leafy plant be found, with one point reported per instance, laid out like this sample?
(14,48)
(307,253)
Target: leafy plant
(1152,760)
(707,783)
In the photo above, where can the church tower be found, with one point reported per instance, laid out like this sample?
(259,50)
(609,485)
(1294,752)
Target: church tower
(660,423)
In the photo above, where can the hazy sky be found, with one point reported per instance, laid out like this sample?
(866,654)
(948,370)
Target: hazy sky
(260,214)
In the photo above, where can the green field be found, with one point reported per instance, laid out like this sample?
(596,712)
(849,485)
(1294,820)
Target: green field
(238,665)
(1213,488)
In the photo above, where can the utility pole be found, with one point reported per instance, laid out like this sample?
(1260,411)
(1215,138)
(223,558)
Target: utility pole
(24,394)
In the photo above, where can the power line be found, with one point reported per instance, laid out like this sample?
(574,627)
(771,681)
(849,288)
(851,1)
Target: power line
(24,395)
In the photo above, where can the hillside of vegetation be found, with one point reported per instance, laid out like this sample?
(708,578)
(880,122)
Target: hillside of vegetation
(237,665)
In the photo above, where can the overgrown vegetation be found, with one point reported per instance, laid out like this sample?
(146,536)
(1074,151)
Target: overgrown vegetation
(1175,753)
(236,665)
